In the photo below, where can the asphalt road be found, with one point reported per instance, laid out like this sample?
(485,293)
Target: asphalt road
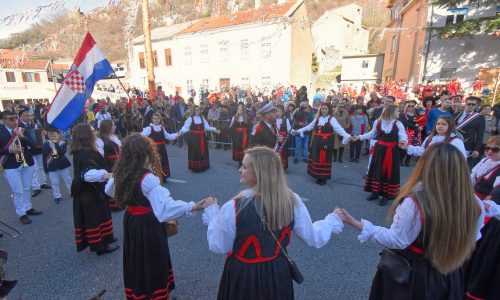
(45,262)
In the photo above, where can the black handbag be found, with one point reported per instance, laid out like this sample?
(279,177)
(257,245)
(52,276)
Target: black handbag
(394,266)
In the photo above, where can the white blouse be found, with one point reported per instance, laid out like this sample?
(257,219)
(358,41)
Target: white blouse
(146,131)
(222,225)
(322,121)
(482,168)
(100,143)
(95,175)
(405,227)
(419,150)
(164,206)
(280,121)
(197,120)
(240,119)
(386,126)
(494,210)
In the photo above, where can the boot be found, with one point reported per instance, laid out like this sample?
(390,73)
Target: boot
(407,160)
(341,153)
(334,155)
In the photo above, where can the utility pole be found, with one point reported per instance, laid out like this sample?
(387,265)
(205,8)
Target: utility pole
(148,49)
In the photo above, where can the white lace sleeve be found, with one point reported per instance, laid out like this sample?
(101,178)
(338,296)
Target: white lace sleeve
(370,135)
(315,234)
(416,150)
(169,136)
(94,175)
(164,206)
(480,220)
(309,127)
(207,126)
(100,146)
(187,124)
(402,136)
(146,131)
(494,210)
(340,131)
(109,189)
(460,146)
(221,227)
(403,231)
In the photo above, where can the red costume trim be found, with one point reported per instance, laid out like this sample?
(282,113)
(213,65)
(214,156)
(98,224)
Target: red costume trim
(387,164)
(138,210)
(202,139)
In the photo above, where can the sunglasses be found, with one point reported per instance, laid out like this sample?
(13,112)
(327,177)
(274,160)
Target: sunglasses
(471,104)
(11,118)
(411,106)
(493,149)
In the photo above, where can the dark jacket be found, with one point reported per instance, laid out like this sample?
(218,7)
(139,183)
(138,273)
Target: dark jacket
(472,132)
(9,159)
(262,136)
(51,163)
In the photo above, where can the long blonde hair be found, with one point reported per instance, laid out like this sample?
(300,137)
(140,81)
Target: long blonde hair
(274,200)
(450,209)
(388,113)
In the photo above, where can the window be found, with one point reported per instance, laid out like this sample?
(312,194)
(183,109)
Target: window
(245,82)
(168,57)
(393,44)
(37,77)
(11,77)
(28,76)
(189,85)
(244,49)
(395,11)
(266,47)
(266,81)
(142,63)
(456,16)
(448,73)
(204,53)
(223,50)
(187,55)
(224,82)
(364,64)
(204,82)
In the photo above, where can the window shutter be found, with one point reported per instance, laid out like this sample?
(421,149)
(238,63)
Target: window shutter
(37,77)
(168,57)
(141,60)
(24,76)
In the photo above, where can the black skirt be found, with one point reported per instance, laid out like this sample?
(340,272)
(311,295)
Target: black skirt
(92,219)
(165,166)
(198,157)
(383,182)
(426,283)
(319,163)
(482,271)
(266,280)
(147,268)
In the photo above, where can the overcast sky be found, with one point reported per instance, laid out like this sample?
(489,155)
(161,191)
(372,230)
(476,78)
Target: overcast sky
(10,7)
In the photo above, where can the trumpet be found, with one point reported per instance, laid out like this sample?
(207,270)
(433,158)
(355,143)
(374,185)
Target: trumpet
(55,154)
(20,156)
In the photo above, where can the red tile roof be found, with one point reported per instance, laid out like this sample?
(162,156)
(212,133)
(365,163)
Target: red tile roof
(9,53)
(263,14)
(32,64)
(61,66)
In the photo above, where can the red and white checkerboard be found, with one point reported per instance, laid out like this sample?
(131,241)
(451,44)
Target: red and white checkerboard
(75,81)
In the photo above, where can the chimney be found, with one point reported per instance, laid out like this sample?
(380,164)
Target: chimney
(257,4)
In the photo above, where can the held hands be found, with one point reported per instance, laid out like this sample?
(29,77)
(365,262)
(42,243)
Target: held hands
(355,138)
(294,132)
(107,176)
(475,154)
(217,131)
(205,203)
(180,133)
(347,218)
(403,145)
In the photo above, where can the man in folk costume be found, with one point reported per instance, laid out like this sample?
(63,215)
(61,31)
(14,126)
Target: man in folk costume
(471,125)
(265,133)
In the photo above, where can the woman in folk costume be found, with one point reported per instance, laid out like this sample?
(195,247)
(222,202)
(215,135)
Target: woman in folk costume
(408,118)
(484,174)
(147,268)
(341,114)
(196,125)
(160,137)
(434,229)
(259,221)
(284,127)
(383,173)
(108,144)
(92,217)
(444,131)
(240,131)
(319,164)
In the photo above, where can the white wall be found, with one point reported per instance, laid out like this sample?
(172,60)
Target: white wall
(353,72)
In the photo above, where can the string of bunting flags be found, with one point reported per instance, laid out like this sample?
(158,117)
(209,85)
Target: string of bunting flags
(30,15)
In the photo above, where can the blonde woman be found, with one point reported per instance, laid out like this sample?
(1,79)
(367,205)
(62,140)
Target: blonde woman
(254,229)
(434,228)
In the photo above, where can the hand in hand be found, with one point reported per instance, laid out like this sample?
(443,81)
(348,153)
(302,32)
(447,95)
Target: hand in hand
(347,218)
(294,132)
(475,154)
(403,145)
(217,131)
(355,138)
(204,203)
(107,176)
(179,133)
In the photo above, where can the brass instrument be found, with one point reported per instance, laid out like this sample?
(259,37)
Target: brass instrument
(55,154)
(20,156)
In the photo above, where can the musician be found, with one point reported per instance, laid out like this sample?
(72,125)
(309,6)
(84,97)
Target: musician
(17,162)
(55,162)
(39,180)
(472,126)
(265,133)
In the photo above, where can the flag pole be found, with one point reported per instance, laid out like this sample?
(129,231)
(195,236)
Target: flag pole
(123,87)
(148,49)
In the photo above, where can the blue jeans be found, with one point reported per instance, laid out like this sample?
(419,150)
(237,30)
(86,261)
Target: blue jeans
(301,144)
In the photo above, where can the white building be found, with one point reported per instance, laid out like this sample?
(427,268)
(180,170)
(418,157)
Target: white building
(337,33)
(465,58)
(364,68)
(259,47)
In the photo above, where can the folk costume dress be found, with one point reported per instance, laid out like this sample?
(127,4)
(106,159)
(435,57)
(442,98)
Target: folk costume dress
(240,134)
(255,266)
(160,137)
(110,150)
(91,213)
(484,176)
(319,163)
(454,140)
(383,174)
(405,238)
(147,268)
(198,157)
(284,128)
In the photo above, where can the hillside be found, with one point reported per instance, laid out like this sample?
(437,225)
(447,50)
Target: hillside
(107,25)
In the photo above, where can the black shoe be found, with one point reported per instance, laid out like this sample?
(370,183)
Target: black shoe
(372,197)
(356,160)
(340,160)
(407,164)
(351,159)
(1,234)
(25,220)
(366,152)
(321,181)
(305,160)
(33,212)
(35,193)
(108,249)
(45,186)
(383,201)
(295,161)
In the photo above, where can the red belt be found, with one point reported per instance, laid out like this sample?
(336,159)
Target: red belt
(387,165)
(139,210)
(202,139)
(416,249)
(244,131)
(323,152)
(160,143)
(113,156)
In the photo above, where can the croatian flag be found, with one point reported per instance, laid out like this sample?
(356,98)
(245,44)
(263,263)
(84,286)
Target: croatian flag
(89,66)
